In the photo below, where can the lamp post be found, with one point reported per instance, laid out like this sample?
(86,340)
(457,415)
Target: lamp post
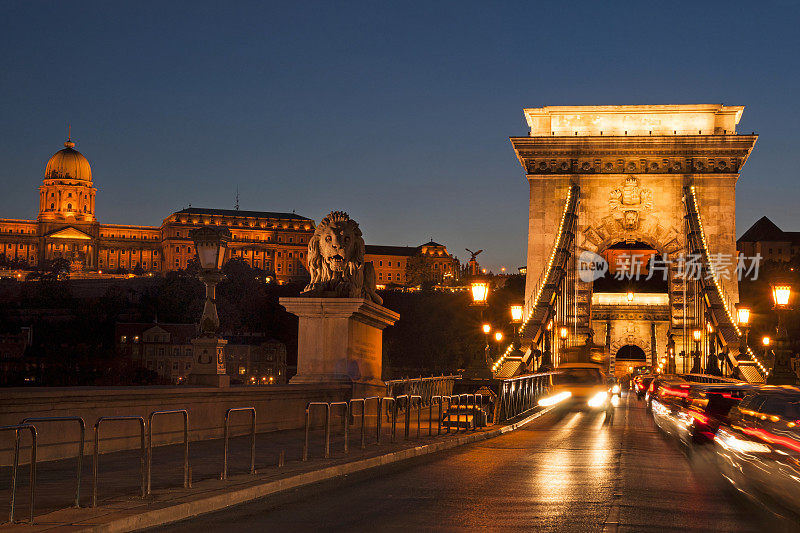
(743,318)
(479,290)
(711,361)
(487,328)
(782,373)
(208,352)
(697,335)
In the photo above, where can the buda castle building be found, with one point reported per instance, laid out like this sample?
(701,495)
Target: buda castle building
(66,227)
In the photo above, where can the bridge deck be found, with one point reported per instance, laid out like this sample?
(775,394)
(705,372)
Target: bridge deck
(570,473)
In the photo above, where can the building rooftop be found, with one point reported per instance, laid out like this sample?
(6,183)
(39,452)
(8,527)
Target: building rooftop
(376,249)
(237,213)
(766,230)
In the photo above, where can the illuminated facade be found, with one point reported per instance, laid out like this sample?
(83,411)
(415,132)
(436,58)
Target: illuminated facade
(66,228)
(391,262)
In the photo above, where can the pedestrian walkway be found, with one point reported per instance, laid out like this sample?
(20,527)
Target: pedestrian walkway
(120,478)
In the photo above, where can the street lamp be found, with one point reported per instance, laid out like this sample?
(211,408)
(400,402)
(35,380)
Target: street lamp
(498,336)
(630,296)
(480,292)
(516,313)
(743,317)
(208,349)
(782,373)
(697,335)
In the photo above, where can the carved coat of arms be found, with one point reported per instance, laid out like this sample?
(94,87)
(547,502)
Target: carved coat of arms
(630,203)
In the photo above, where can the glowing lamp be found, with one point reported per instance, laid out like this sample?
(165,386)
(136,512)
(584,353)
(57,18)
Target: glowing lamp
(765,341)
(743,316)
(516,313)
(487,328)
(210,245)
(781,292)
(480,292)
(697,335)
(710,327)
(498,336)
(563,332)
(630,296)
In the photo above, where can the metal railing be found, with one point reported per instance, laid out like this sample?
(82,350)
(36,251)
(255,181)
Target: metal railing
(251,410)
(309,407)
(408,401)
(706,378)
(345,420)
(96,457)
(427,387)
(186,481)
(16,429)
(81,445)
(519,395)
(393,414)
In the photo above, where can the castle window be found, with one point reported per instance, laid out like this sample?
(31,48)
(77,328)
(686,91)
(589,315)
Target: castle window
(69,195)
(52,206)
(290,239)
(69,207)
(279,254)
(290,254)
(390,263)
(177,249)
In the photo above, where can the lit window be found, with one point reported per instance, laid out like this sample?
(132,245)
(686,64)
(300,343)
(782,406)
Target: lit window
(123,339)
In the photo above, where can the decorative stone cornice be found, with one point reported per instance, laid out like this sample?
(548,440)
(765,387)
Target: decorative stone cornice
(662,154)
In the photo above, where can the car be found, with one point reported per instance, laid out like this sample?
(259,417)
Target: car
(640,384)
(578,386)
(692,412)
(758,449)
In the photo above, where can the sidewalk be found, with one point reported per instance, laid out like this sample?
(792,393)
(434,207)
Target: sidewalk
(120,508)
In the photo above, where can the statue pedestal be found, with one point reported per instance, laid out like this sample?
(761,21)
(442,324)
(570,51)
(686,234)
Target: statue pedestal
(208,362)
(340,340)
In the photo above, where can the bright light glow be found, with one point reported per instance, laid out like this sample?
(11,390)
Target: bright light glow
(615,400)
(642,298)
(731,442)
(710,327)
(743,314)
(487,328)
(556,398)
(480,291)
(563,332)
(615,389)
(630,296)
(697,335)
(765,341)
(516,313)
(781,294)
(498,336)
(598,399)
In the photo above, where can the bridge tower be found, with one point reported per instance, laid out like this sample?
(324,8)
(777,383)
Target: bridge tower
(656,180)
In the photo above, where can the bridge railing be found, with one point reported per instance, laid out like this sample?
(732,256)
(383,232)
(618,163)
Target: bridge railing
(425,387)
(520,394)
(707,378)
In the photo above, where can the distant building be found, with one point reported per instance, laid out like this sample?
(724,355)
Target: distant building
(767,239)
(167,350)
(66,228)
(391,262)
(13,363)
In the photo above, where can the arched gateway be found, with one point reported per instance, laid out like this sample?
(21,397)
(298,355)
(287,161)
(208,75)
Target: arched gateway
(655,186)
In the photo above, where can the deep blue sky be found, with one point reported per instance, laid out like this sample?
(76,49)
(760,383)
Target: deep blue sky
(396,113)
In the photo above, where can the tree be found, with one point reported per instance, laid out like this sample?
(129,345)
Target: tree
(418,271)
(138,270)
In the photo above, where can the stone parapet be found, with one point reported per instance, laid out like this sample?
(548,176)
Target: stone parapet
(277,407)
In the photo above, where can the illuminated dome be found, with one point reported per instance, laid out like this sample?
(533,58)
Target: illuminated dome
(68,164)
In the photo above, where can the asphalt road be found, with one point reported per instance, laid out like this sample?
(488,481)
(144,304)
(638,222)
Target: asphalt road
(565,472)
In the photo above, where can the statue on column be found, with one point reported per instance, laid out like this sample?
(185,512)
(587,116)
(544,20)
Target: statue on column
(336,261)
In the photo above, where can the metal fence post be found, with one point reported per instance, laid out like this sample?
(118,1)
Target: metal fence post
(346,406)
(251,410)
(150,446)
(96,456)
(82,426)
(16,429)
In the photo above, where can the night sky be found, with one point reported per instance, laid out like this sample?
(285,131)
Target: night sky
(397,113)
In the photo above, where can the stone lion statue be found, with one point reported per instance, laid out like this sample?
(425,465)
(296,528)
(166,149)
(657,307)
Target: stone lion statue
(336,261)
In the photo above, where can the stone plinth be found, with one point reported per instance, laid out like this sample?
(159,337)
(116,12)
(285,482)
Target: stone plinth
(208,367)
(340,340)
